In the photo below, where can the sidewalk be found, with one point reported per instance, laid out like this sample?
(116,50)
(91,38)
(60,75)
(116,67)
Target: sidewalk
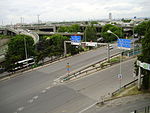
(123,105)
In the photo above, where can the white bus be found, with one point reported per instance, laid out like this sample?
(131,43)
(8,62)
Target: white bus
(23,64)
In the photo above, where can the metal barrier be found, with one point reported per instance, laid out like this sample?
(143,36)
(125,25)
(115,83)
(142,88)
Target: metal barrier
(84,70)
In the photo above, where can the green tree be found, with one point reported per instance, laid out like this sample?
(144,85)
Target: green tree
(58,43)
(110,37)
(141,28)
(145,56)
(126,20)
(69,29)
(16,49)
(75,28)
(64,29)
(51,46)
(90,33)
(94,22)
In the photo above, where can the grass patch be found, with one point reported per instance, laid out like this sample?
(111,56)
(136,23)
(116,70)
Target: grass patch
(114,60)
(132,90)
(4,36)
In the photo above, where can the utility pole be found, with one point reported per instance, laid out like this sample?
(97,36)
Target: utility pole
(133,35)
(38,16)
(25,47)
(21,20)
(85,34)
(2,23)
(65,49)
(108,52)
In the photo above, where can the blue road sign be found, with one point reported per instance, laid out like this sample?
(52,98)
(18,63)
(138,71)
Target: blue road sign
(75,38)
(126,43)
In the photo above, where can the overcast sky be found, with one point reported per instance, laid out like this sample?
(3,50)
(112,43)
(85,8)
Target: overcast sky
(11,11)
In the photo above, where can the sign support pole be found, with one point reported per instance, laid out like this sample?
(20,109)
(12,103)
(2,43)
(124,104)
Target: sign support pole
(108,52)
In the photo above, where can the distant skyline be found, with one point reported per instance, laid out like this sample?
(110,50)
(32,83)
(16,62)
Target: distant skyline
(15,11)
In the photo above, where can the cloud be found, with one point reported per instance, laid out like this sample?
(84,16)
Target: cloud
(67,10)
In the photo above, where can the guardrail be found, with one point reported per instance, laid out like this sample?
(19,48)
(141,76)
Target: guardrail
(84,70)
(125,86)
(110,97)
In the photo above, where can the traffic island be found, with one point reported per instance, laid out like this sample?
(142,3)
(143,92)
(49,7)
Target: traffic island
(92,68)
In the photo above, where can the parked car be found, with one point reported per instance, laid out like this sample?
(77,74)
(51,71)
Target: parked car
(2,70)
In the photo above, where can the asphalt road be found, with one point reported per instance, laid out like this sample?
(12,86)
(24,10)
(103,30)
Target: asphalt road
(77,95)
(34,92)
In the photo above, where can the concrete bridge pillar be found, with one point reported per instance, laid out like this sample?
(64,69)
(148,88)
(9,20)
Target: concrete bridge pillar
(5,32)
(54,28)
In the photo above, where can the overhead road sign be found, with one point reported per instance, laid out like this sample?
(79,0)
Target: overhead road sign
(75,39)
(124,44)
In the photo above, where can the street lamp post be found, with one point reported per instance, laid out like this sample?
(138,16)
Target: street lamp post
(25,46)
(120,74)
(38,17)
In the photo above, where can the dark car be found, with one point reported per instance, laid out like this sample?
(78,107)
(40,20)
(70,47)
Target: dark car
(2,70)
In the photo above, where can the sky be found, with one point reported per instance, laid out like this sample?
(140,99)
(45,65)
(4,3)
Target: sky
(11,11)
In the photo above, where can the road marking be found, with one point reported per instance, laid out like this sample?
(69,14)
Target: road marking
(30,101)
(48,88)
(54,83)
(20,109)
(43,91)
(35,97)
(87,108)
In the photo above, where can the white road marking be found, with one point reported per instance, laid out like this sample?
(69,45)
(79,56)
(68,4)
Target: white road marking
(30,101)
(54,83)
(35,97)
(44,91)
(20,109)
(48,88)
(87,108)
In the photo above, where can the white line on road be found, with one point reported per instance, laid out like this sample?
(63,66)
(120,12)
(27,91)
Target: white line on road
(44,91)
(87,108)
(20,109)
(30,101)
(35,97)
(48,88)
